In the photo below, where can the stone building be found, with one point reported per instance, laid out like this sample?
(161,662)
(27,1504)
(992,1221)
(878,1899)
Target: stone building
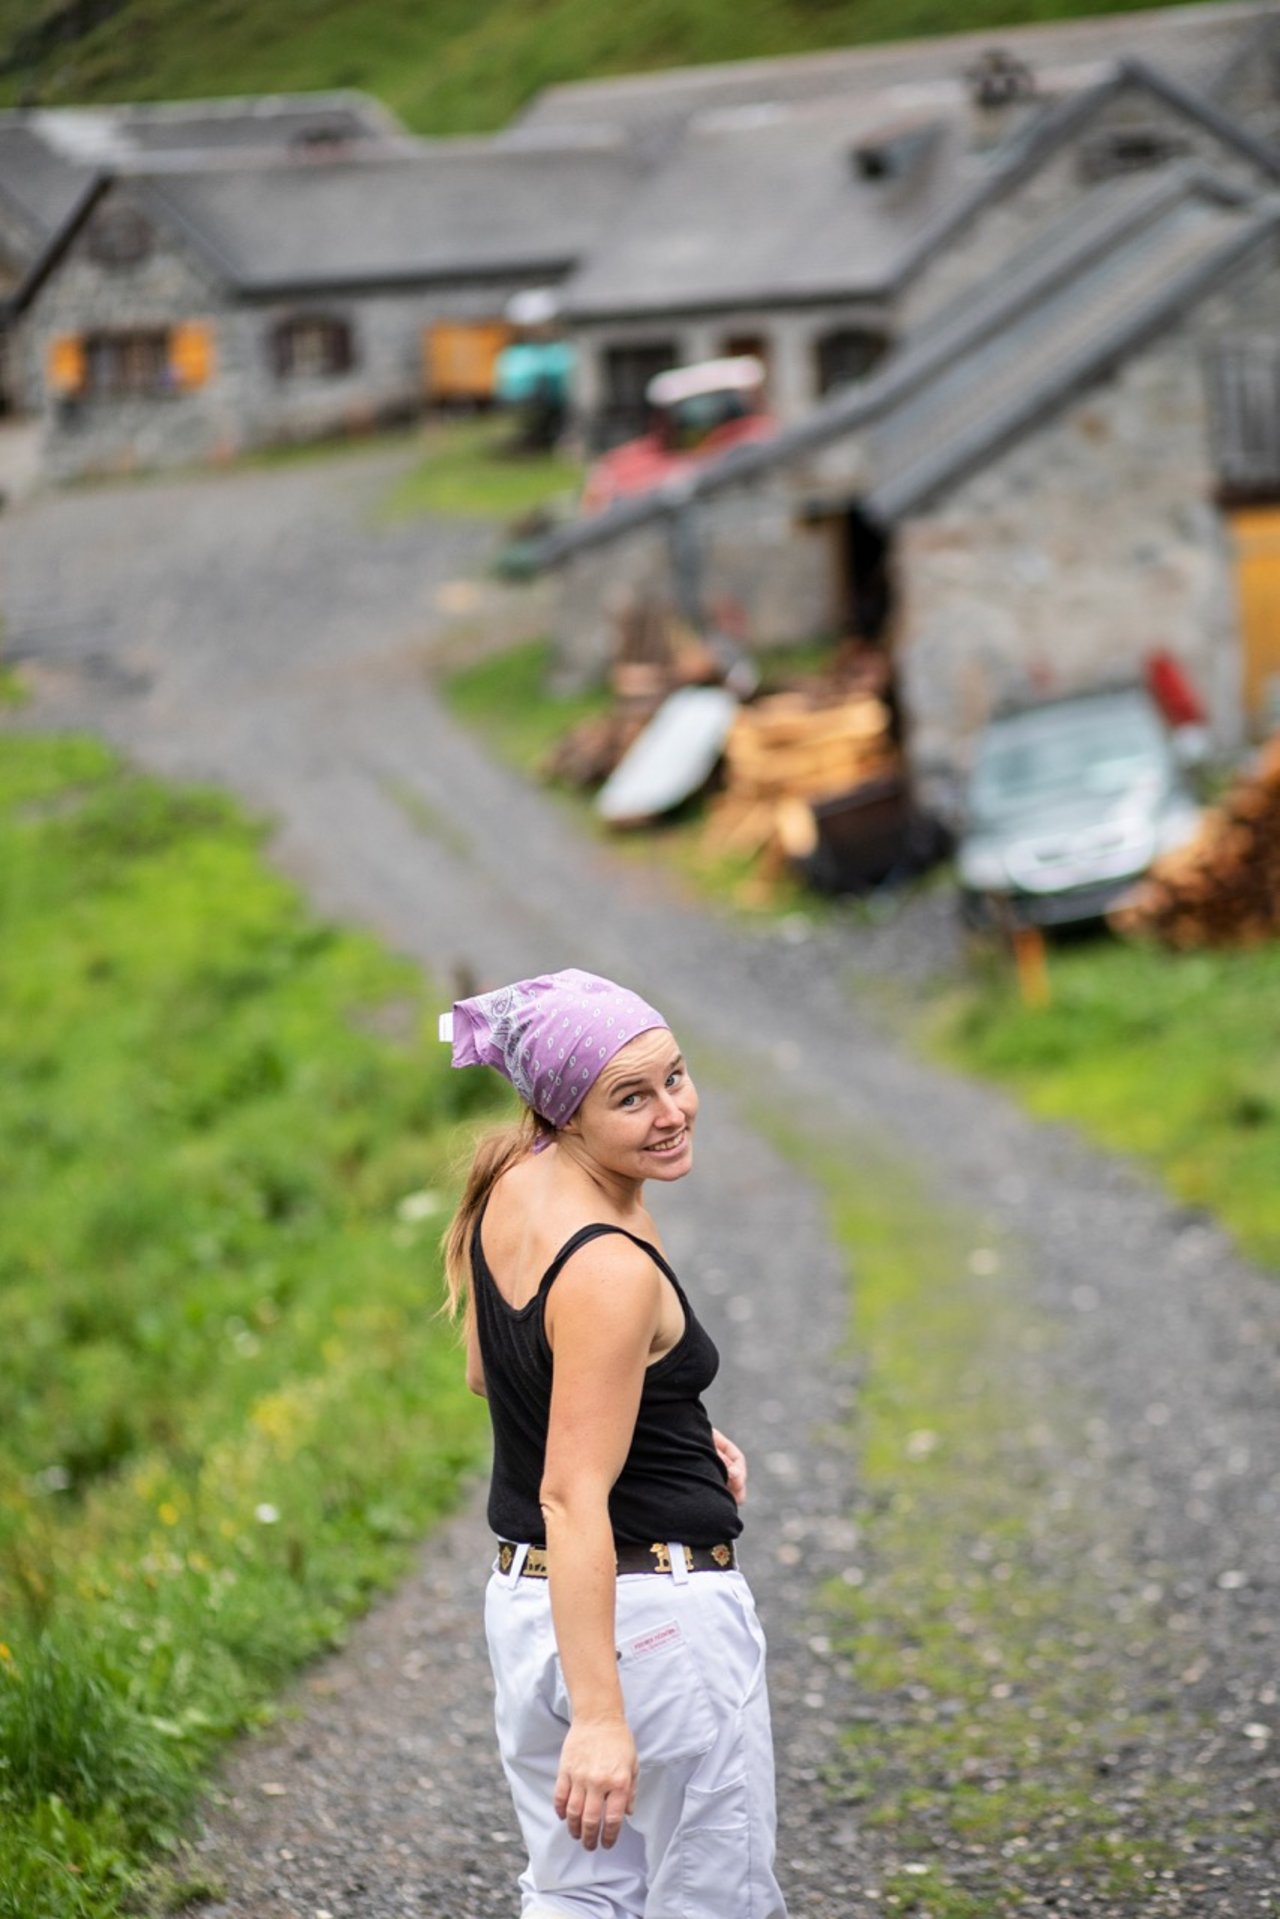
(195,311)
(1032,491)
(812,211)
(53,159)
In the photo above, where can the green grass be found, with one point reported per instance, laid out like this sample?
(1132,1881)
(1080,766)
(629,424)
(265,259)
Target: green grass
(1007,1647)
(450,67)
(467,470)
(1174,1058)
(230,1407)
(505,699)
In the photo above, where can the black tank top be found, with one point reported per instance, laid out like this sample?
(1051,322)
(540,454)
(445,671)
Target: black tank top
(672,1486)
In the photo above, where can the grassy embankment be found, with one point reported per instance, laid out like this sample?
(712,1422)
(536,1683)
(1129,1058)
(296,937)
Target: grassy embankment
(1172,1057)
(1021,1676)
(230,1410)
(456,66)
(467,469)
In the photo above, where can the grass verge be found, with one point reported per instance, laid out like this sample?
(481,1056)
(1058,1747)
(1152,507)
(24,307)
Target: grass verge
(467,470)
(1021,1680)
(230,1409)
(1174,1057)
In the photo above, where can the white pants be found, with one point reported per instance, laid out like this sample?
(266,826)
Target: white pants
(691,1657)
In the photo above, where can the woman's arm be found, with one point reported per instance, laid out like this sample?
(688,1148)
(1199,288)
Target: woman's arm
(602,1320)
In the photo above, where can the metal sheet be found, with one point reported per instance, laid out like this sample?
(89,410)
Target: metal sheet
(674,756)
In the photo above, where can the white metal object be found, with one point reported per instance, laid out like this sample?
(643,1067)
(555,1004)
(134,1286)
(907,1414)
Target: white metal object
(743,373)
(672,758)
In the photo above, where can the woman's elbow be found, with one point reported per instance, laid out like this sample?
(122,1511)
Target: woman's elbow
(476,1381)
(573,1498)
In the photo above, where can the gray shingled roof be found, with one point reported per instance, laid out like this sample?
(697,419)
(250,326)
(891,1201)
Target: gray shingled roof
(767,206)
(44,188)
(50,158)
(1194,41)
(114,135)
(1035,359)
(446,212)
(762,206)
(1072,304)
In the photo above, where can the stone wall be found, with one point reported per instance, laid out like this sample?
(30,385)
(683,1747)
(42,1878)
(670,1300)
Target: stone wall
(1092,543)
(758,555)
(790,334)
(1060,184)
(245,402)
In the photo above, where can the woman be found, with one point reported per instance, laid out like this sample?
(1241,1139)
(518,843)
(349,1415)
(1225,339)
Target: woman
(628,1661)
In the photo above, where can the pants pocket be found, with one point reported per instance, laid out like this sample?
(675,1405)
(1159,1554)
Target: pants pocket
(715,1853)
(666,1702)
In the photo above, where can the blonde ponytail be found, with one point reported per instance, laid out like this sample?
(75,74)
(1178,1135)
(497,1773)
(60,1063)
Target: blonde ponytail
(495,1151)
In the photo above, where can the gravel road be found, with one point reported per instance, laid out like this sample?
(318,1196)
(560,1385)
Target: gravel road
(260,629)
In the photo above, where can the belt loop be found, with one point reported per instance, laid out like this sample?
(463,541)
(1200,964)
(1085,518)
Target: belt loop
(679,1563)
(512,1573)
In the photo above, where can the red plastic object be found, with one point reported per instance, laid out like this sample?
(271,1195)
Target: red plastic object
(1171,688)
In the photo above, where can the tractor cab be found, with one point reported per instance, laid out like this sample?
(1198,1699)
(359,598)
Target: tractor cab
(696,413)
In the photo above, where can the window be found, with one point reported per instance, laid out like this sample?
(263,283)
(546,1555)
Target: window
(1128,150)
(627,372)
(847,354)
(120,366)
(312,347)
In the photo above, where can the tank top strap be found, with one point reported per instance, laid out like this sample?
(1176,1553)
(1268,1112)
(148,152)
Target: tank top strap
(585,1234)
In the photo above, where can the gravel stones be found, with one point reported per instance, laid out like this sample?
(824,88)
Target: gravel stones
(256,628)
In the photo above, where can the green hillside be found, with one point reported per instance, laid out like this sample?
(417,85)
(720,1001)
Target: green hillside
(447,66)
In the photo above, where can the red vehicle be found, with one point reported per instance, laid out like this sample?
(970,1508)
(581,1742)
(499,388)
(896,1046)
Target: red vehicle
(698,412)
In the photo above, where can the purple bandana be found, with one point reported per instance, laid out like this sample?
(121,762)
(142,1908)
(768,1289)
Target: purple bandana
(551,1036)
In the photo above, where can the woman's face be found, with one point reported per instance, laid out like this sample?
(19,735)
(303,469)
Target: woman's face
(637,1120)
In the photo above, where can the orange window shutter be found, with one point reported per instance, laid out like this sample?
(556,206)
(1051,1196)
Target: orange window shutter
(191,354)
(65,369)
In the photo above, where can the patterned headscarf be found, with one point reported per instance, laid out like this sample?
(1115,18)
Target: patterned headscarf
(551,1036)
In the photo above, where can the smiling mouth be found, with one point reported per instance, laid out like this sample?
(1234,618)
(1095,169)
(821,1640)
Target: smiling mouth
(670,1145)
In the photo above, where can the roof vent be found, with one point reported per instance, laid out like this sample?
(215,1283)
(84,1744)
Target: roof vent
(321,139)
(895,154)
(999,78)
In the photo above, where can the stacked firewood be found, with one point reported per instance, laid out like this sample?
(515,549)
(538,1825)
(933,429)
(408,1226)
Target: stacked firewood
(787,751)
(1223,887)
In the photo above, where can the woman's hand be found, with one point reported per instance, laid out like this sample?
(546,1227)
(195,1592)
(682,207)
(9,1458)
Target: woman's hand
(734,1461)
(596,1787)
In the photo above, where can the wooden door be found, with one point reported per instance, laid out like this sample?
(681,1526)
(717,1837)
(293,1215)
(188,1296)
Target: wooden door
(461,357)
(1256,535)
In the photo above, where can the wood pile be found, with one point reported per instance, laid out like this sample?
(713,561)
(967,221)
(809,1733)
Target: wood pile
(787,751)
(653,654)
(1223,887)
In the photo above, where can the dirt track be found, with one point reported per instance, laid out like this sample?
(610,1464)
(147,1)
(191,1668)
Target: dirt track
(255,629)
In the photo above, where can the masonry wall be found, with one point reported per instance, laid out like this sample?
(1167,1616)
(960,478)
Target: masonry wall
(1067,562)
(244,402)
(1059,185)
(791,336)
(759,559)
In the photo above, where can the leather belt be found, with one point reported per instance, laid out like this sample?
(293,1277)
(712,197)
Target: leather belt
(631,1559)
